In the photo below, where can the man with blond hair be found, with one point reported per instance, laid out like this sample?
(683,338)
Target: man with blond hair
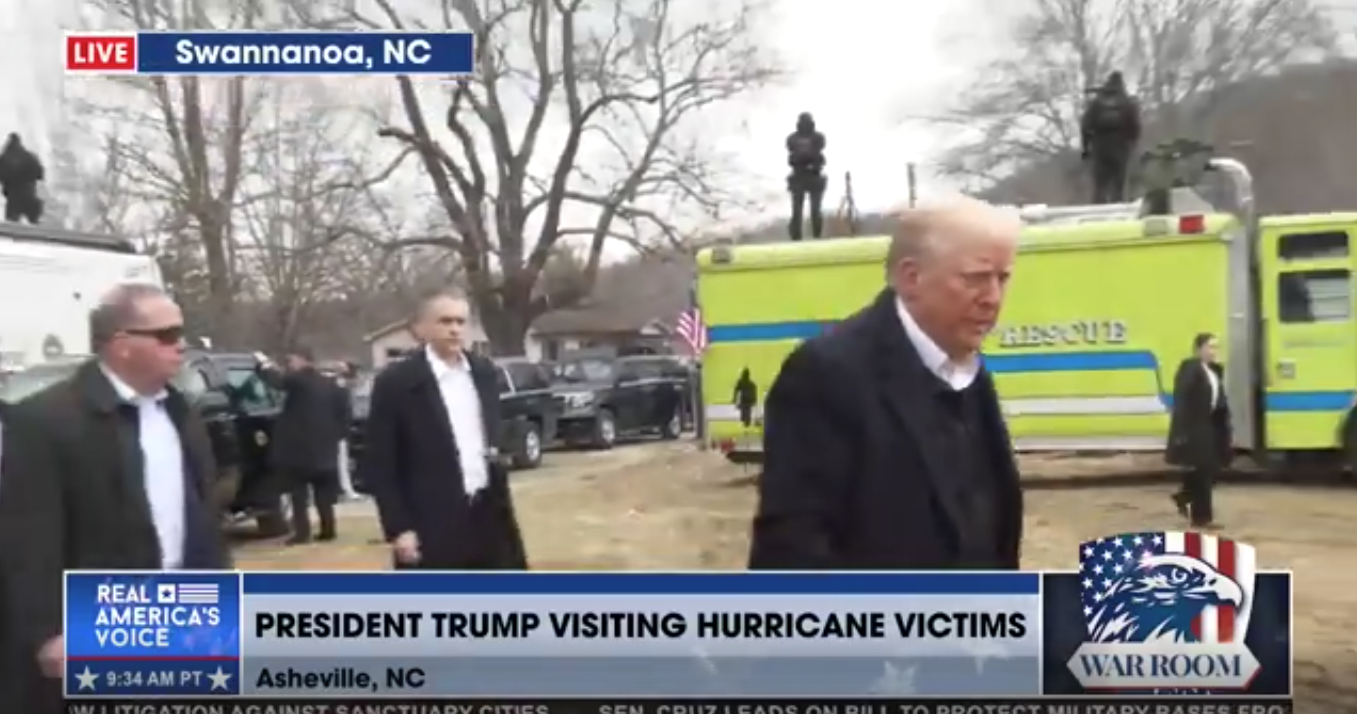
(884,444)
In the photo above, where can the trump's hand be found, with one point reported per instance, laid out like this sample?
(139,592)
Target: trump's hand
(406,548)
(52,658)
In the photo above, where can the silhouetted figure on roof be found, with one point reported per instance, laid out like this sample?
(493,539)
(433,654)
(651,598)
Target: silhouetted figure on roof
(1110,129)
(20,172)
(806,157)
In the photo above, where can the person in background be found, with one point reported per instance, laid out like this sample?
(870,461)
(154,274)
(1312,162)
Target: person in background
(1109,131)
(429,454)
(108,470)
(1200,438)
(884,445)
(305,440)
(348,382)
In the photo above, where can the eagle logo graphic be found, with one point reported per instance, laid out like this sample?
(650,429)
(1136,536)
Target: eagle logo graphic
(1159,598)
(1184,598)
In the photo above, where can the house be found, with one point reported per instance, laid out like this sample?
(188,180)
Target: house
(390,341)
(633,308)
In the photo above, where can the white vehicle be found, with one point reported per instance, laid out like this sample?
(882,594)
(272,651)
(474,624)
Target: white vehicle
(50,278)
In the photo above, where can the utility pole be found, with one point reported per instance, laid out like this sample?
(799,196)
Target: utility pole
(848,208)
(913,185)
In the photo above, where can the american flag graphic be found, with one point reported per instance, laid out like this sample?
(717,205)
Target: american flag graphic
(1121,566)
(692,330)
(197,593)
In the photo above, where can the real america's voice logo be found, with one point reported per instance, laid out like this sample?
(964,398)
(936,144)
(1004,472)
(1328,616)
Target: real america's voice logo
(1166,612)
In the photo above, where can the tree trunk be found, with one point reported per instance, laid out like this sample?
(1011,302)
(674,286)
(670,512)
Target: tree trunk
(506,326)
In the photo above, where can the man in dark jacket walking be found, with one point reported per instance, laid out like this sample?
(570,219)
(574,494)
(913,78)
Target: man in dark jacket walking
(1200,438)
(305,441)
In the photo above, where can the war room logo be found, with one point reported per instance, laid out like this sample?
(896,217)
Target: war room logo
(1165,612)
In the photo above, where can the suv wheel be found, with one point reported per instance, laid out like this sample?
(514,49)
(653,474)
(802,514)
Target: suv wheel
(605,430)
(528,455)
(673,428)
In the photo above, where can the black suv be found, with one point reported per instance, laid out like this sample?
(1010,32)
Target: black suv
(604,399)
(239,412)
(529,409)
(240,409)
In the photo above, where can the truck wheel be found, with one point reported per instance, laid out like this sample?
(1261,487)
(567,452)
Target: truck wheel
(605,430)
(673,428)
(528,454)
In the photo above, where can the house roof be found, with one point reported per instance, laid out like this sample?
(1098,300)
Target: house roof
(386,329)
(628,298)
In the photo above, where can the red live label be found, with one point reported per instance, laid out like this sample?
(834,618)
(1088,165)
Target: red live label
(101,53)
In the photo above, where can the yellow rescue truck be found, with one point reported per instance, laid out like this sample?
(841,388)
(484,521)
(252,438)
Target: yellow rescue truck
(1103,306)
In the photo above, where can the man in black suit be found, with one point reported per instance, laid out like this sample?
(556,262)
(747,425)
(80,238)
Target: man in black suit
(304,444)
(1200,436)
(884,444)
(429,453)
(109,470)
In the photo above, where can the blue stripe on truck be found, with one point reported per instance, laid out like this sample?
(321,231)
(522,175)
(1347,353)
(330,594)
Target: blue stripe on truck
(1276,401)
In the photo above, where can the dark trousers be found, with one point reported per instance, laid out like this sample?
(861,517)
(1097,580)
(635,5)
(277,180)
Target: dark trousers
(23,207)
(803,187)
(1196,494)
(1109,178)
(324,485)
(484,553)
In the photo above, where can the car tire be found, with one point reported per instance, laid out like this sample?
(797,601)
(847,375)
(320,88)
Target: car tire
(673,428)
(528,450)
(605,430)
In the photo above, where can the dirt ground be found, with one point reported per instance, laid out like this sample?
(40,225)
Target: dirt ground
(653,507)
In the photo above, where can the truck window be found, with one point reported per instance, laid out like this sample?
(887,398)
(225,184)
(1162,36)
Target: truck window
(502,380)
(645,369)
(250,390)
(192,382)
(528,376)
(1314,296)
(1313,246)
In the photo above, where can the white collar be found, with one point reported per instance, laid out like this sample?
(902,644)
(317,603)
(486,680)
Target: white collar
(441,368)
(126,392)
(957,375)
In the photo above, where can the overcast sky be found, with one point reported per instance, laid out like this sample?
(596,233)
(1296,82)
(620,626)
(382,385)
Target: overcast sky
(858,65)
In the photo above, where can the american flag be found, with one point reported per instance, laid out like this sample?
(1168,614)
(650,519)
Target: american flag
(1104,562)
(692,330)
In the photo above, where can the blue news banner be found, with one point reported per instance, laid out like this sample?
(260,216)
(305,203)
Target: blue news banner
(888,635)
(448,54)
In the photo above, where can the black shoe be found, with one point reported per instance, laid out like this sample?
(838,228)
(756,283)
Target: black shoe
(1180,500)
(327,536)
(298,540)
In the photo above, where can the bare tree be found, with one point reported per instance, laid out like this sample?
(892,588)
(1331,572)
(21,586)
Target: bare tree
(309,221)
(179,143)
(1024,107)
(577,110)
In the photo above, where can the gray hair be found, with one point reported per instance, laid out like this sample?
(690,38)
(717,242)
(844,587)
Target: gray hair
(918,232)
(117,310)
(432,297)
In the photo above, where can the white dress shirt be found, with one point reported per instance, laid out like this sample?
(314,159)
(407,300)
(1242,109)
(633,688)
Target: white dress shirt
(1214,381)
(163,462)
(463,405)
(957,375)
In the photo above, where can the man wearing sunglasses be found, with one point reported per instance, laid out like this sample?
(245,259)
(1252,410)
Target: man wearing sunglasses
(108,470)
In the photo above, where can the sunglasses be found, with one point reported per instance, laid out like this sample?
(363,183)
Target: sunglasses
(171,335)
